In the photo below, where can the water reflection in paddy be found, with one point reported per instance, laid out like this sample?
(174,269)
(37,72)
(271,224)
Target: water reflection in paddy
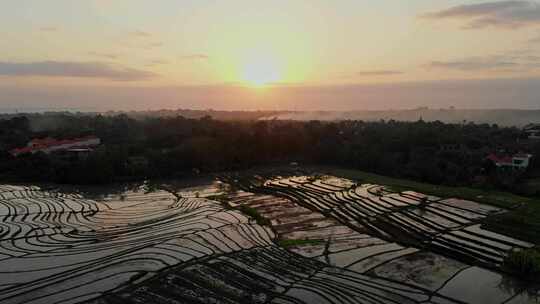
(129,245)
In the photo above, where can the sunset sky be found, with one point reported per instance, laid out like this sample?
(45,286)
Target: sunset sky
(312,54)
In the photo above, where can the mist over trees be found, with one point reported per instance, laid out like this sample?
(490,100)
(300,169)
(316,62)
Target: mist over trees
(502,117)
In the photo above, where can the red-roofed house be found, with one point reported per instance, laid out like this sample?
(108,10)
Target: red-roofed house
(48,145)
(517,161)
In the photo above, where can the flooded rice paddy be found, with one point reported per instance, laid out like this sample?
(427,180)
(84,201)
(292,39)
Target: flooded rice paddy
(324,240)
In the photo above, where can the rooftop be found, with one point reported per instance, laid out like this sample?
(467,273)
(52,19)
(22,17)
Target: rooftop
(38,144)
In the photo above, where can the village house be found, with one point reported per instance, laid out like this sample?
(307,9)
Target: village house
(49,145)
(520,161)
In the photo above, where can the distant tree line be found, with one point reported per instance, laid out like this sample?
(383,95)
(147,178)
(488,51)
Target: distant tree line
(160,147)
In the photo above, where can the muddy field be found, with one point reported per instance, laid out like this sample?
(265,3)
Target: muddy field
(272,239)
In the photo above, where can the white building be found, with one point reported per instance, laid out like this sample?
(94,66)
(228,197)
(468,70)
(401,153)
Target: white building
(517,161)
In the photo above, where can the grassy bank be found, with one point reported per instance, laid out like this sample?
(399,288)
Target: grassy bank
(254,214)
(522,221)
(525,263)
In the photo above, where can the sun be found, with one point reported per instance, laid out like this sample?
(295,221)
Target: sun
(259,72)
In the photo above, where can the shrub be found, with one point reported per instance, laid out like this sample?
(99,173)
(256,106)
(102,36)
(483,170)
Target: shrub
(253,213)
(524,262)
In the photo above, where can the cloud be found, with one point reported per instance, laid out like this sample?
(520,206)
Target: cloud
(156,62)
(499,14)
(72,69)
(512,61)
(141,40)
(153,45)
(144,46)
(140,34)
(48,29)
(379,73)
(195,57)
(474,64)
(104,55)
(535,40)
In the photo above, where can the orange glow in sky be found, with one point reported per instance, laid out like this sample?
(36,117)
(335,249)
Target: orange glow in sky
(254,44)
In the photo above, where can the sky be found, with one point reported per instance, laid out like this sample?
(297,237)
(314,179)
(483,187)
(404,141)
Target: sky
(269,55)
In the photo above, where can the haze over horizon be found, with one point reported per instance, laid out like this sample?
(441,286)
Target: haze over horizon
(278,55)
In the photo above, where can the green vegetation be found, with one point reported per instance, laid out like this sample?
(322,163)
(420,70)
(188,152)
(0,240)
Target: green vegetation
(291,243)
(532,186)
(522,222)
(222,198)
(524,262)
(492,197)
(253,213)
(174,146)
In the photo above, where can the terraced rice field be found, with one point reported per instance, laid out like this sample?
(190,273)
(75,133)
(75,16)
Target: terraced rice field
(448,226)
(329,241)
